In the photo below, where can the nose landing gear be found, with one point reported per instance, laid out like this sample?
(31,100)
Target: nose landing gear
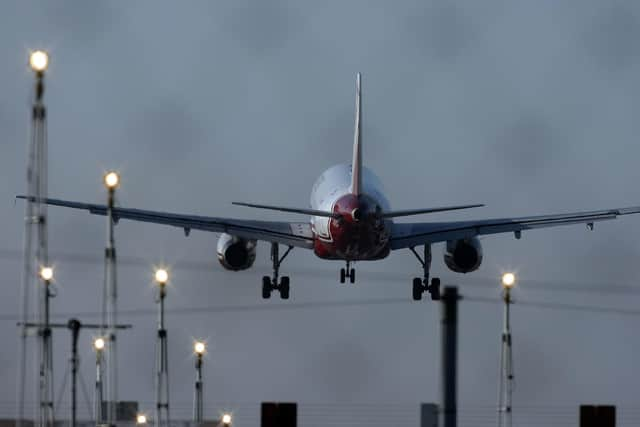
(420,286)
(270,284)
(348,272)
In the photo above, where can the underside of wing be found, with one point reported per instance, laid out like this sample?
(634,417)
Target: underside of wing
(296,234)
(414,234)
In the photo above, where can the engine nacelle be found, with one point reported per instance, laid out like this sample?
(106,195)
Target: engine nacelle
(235,253)
(463,256)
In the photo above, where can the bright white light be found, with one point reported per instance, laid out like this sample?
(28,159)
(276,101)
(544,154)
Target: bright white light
(39,60)
(199,347)
(111,180)
(226,419)
(162,276)
(46,273)
(141,419)
(508,280)
(98,343)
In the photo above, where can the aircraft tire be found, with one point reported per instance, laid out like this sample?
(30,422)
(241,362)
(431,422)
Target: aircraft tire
(343,275)
(352,275)
(434,289)
(284,287)
(266,287)
(418,289)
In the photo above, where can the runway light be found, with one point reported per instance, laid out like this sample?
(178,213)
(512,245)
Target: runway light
(46,273)
(508,280)
(111,180)
(226,420)
(162,276)
(98,344)
(199,347)
(39,60)
(141,419)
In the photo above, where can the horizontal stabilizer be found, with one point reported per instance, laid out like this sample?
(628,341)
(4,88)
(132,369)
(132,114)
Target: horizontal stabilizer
(394,214)
(312,212)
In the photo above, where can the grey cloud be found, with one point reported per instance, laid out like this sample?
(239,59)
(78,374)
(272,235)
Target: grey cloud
(262,26)
(441,29)
(611,38)
(528,143)
(261,114)
(80,23)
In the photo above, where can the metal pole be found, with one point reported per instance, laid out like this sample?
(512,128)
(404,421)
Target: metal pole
(449,355)
(111,308)
(42,254)
(198,397)
(98,397)
(162,375)
(74,326)
(505,387)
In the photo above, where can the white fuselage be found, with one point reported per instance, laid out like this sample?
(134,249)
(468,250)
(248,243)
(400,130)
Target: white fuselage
(332,193)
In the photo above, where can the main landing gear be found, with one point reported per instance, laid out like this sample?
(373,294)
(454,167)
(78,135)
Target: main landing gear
(270,284)
(349,272)
(420,286)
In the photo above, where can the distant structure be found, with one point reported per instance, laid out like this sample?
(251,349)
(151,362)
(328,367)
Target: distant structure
(199,349)
(505,383)
(110,300)
(98,397)
(162,357)
(36,256)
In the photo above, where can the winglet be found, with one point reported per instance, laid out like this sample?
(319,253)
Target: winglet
(356,165)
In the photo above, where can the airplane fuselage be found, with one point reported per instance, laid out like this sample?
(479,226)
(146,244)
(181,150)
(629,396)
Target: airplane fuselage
(359,233)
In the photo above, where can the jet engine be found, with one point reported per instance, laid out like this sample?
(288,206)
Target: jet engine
(235,253)
(464,255)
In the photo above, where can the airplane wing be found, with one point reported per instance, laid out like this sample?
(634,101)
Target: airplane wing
(408,235)
(287,233)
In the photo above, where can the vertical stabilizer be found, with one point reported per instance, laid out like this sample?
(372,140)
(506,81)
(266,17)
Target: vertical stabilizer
(356,166)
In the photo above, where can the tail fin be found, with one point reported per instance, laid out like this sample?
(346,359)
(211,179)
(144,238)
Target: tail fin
(356,165)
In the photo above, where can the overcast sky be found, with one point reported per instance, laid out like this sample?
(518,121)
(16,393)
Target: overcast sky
(529,107)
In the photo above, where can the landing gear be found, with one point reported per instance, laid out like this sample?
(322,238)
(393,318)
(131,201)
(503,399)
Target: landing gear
(420,286)
(270,284)
(348,272)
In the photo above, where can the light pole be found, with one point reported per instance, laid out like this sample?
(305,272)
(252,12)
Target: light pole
(161,277)
(36,251)
(505,387)
(199,348)
(46,366)
(110,294)
(98,346)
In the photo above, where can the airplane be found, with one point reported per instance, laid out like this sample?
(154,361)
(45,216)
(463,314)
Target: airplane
(351,220)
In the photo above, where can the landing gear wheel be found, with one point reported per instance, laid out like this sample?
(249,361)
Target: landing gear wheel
(418,289)
(270,284)
(284,287)
(343,275)
(266,287)
(434,289)
(352,275)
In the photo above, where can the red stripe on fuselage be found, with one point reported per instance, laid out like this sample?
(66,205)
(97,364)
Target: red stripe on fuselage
(358,234)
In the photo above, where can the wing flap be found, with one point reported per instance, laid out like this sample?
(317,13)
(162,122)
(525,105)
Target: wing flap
(297,234)
(414,234)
